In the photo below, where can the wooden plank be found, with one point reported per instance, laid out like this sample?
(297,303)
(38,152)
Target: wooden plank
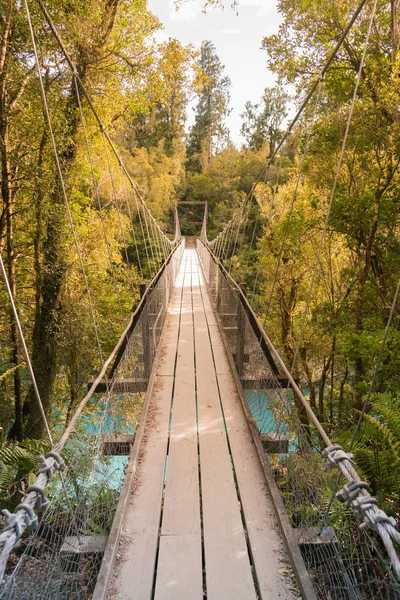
(275,443)
(179,573)
(113,544)
(221,363)
(85,544)
(265,383)
(126,385)
(265,542)
(166,365)
(118,444)
(227,564)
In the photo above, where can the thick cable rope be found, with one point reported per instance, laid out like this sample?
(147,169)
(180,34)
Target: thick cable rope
(156,244)
(377,366)
(145,214)
(144,238)
(362,504)
(336,178)
(24,515)
(97,196)
(25,349)
(241,222)
(9,537)
(268,219)
(314,86)
(309,94)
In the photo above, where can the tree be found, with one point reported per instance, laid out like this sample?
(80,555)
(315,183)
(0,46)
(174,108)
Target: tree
(262,122)
(174,82)
(105,49)
(365,212)
(209,132)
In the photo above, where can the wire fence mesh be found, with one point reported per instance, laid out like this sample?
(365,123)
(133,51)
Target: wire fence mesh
(344,561)
(62,557)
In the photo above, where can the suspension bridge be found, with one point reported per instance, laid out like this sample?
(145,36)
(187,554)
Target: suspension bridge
(194,467)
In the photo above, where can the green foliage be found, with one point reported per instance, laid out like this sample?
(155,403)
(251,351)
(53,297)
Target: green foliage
(209,134)
(262,122)
(18,464)
(377,449)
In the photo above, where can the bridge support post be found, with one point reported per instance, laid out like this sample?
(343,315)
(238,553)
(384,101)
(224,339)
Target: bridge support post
(145,335)
(218,290)
(241,335)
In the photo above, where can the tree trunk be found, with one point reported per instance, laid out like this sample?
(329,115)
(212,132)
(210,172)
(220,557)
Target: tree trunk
(17,429)
(53,271)
(286,308)
(359,368)
(321,389)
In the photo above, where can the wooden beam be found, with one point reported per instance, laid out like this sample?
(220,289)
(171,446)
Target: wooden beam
(317,545)
(74,549)
(128,386)
(118,445)
(275,443)
(265,383)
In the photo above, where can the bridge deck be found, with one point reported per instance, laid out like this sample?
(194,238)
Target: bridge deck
(199,521)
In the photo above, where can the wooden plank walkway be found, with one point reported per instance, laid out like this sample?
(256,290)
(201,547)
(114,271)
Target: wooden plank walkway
(199,522)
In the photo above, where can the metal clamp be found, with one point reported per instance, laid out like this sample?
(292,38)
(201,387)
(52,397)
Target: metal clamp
(60,465)
(350,492)
(41,501)
(13,523)
(334,454)
(47,467)
(372,518)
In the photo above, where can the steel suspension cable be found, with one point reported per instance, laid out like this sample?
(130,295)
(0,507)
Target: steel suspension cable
(114,191)
(25,349)
(8,538)
(368,396)
(61,178)
(321,75)
(93,109)
(269,217)
(294,198)
(237,235)
(131,221)
(97,196)
(336,178)
(312,89)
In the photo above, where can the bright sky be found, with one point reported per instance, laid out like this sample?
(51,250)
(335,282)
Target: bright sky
(237,40)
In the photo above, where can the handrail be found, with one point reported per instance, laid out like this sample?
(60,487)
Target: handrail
(355,492)
(24,514)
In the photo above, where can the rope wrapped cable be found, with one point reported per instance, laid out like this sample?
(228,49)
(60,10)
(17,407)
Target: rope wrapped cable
(24,515)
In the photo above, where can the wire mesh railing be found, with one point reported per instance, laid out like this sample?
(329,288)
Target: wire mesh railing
(61,558)
(346,560)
